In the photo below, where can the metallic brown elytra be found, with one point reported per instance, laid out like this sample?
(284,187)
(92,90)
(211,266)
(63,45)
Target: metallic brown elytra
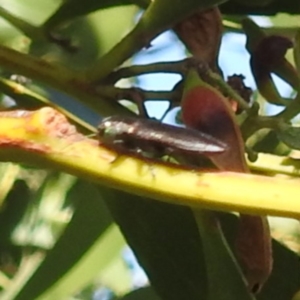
(153,139)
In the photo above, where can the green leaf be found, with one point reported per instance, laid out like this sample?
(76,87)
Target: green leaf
(101,261)
(11,213)
(290,135)
(225,279)
(146,293)
(296,51)
(274,8)
(90,220)
(90,36)
(9,173)
(74,8)
(166,242)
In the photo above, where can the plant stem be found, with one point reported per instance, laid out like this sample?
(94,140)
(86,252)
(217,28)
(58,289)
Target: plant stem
(139,96)
(225,88)
(43,138)
(292,110)
(112,92)
(252,124)
(159,16)
(59,78)
(174,67)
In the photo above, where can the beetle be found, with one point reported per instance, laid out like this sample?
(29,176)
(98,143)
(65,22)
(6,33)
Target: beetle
(152,139)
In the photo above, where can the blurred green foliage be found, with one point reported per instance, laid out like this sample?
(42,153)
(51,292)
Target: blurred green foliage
(58,236)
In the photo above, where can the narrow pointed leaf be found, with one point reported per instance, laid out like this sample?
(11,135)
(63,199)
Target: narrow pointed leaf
(166,243)
(225,279)
(90,212)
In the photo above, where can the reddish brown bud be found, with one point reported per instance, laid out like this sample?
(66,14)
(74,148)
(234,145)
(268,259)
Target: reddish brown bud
(271,51)
(236,82)
(201,34)
(266,57)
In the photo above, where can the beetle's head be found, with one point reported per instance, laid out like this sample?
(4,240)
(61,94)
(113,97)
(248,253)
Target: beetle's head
(112,128)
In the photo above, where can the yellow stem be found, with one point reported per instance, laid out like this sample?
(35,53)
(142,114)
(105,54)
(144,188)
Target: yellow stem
(44,138)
